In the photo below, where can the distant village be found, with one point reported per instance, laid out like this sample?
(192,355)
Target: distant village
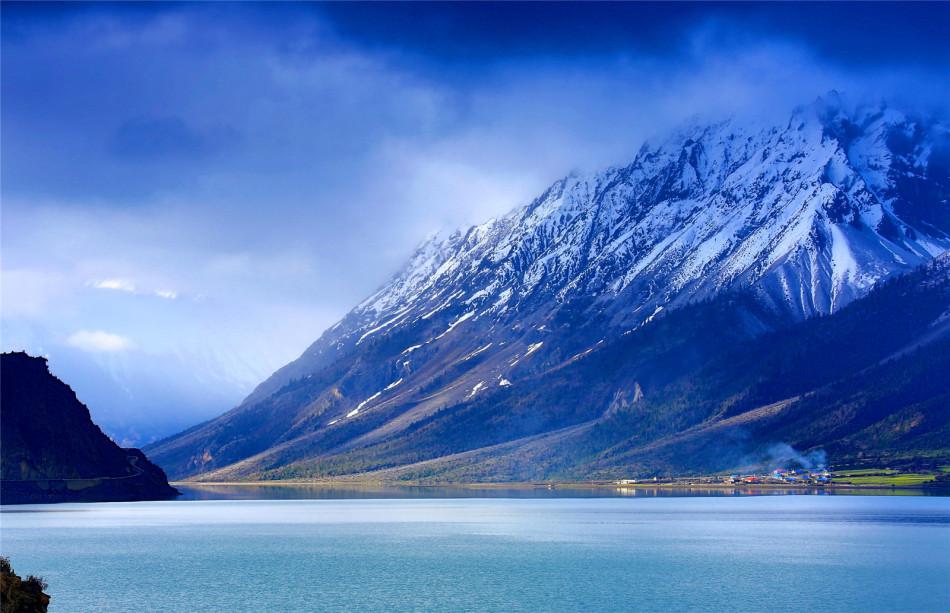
(783,476)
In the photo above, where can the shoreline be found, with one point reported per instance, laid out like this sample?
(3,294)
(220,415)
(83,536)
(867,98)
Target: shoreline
(565,485)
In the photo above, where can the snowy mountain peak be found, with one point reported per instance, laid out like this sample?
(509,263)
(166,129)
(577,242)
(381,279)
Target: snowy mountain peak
(819,206)
(808,213)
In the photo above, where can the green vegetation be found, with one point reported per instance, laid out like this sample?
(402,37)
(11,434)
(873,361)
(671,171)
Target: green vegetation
(910,479)
(864,472)
(882,478)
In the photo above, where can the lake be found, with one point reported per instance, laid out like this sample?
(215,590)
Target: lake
(512,553)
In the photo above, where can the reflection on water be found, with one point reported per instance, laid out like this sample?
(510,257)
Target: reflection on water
(297,491)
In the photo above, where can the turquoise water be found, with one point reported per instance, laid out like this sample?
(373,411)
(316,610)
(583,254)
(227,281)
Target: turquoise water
(717,553)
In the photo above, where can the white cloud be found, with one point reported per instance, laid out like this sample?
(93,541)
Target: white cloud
(121,285)
(98,341)
(124,285)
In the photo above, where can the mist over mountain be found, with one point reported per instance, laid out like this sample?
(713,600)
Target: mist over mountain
(733,230)
(130,397)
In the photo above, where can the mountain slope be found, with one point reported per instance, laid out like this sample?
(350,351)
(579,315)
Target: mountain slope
(680,396)
(53,452)
(802,218)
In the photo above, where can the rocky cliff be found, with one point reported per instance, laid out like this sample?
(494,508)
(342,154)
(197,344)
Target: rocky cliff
(53,452)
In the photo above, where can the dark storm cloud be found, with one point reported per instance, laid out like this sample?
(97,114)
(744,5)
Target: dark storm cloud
(859,33)
(298,98)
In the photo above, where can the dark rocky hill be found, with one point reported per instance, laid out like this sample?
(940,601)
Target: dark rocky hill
(53,452)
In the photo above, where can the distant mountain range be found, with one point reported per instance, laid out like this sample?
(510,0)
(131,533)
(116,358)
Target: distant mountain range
(669,315)
(51,451)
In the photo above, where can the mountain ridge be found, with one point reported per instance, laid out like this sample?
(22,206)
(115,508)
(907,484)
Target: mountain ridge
(433,259)
(805,217)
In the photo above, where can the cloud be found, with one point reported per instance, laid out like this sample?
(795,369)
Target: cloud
(273,169)
(124,285)
(97,341)
(121,285)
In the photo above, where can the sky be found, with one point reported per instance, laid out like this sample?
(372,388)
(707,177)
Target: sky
(192,193)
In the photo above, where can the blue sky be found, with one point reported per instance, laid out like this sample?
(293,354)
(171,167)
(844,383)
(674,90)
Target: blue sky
(192,193)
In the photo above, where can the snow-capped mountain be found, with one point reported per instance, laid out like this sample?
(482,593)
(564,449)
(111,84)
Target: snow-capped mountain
(817,207)
(810,213)
(807,215)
